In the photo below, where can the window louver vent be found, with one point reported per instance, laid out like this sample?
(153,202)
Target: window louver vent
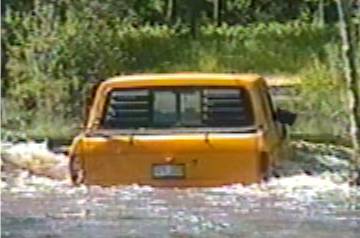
(128,109)
(224,108)
(182,108)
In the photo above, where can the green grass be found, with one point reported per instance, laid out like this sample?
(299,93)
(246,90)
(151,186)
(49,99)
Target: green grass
(49,74)
(321,102)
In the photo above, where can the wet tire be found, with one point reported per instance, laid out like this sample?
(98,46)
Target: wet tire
(76,171)
(266,167)
(267,175)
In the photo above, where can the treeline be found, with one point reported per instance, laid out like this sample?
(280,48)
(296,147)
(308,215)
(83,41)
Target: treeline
(189,11)
(54,50)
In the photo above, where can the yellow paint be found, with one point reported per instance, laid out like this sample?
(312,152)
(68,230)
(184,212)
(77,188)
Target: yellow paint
(211,159)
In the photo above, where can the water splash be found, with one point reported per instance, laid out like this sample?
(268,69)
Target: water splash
(282,207)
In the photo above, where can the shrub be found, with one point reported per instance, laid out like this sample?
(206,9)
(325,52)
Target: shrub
(54,56)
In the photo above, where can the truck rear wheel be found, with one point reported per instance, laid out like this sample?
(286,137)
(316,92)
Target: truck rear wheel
(265,166)
(76,171)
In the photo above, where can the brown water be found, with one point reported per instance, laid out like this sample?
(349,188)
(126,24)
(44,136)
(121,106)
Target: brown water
(295,205)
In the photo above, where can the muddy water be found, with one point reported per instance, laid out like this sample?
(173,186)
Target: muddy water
(294,205)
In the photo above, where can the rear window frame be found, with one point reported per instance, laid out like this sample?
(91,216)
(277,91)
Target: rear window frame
(248,99)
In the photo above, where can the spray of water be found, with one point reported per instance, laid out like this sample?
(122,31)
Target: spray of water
(311,188)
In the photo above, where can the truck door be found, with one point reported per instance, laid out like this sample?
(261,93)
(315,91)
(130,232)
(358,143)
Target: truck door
(273,132)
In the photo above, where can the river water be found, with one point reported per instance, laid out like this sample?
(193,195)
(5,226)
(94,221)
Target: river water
(294,205)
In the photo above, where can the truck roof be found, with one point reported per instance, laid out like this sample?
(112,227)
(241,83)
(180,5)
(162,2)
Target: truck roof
(182,79)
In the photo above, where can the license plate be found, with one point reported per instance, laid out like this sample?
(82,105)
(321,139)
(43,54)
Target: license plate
(163,171)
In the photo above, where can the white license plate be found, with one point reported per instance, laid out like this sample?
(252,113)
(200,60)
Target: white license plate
(168,171)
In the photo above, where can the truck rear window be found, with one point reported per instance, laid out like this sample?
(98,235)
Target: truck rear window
(182,107)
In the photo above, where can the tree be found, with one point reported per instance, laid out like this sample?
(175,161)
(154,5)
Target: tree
(218,6)
(352,78)
(170,13)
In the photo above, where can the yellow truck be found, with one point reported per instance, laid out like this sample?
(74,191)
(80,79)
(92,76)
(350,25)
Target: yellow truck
(180,130)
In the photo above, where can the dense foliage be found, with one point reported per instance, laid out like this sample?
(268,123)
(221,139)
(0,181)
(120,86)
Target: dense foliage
(53,51)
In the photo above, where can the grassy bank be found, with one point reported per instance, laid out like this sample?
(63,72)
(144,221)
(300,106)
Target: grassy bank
(52,63)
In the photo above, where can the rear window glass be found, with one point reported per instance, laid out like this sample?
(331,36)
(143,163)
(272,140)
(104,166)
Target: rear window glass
(182,107)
